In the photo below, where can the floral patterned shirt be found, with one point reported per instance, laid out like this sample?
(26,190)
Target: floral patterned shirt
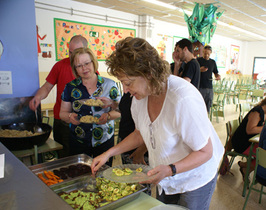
(91,134)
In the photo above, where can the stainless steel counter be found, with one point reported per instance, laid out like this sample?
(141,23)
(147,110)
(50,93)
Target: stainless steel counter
(21,189)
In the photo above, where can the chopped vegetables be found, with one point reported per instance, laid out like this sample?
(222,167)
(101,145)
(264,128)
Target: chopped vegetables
(125,171)
(108,191)
(49,178)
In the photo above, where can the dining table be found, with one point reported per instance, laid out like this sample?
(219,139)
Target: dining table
(254,140)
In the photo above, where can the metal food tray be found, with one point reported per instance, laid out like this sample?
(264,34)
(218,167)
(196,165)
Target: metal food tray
(65,162)
(82,182)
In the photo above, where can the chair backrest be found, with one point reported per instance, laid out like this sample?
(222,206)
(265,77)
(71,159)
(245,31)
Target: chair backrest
(120,88)
(231,126)
(261,157)
(244,108)
(258,93)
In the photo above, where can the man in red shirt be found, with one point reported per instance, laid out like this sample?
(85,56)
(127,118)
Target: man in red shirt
(60,75)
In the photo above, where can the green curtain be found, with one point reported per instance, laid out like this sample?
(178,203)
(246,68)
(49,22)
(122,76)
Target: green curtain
(202,23)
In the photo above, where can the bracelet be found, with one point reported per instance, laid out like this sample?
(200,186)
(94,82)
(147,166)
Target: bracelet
(173,168)
(70,114)
(109,116)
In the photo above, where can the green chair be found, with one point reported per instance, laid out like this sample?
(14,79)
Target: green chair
(244,109)
(257,95)
(217,108)
(260,160)
(231,127)
(120,88)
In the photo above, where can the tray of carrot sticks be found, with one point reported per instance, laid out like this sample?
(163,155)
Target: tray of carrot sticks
(64,169)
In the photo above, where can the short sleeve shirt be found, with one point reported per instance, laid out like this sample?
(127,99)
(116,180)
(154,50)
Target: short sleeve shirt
(205,77)
(60,75)
(181,127)
(92,134)
(192,71)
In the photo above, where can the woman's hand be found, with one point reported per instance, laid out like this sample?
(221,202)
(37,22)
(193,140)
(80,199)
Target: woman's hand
(109,103)
(103,119)
(73,118)
(158,173)
(98,162)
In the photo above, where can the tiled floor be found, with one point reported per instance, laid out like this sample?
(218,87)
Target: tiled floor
(228,192)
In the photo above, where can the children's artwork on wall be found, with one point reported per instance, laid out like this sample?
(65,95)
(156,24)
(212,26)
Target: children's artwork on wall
(101,39)
(44,49)
(219,54)
(163,45)
(234,57)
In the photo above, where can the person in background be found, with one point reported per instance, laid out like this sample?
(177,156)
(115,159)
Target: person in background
(126,127)
(177,66)
(191,71)
(250,126)
(60,75)
(90,138)
(163,108)
(207,67)
(261,172)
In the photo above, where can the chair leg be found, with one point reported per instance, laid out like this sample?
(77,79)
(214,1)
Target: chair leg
(231,161)
(246,201)
(261,192)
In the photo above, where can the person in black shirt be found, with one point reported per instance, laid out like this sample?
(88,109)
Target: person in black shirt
(126,127)
(191,71)
(207,67)
(177,66)
(251,125)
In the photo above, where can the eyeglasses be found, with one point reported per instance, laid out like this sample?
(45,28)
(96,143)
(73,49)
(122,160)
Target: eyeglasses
(152,140)
(85,65)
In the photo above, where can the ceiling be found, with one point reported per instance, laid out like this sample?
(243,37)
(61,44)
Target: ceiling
(244,20)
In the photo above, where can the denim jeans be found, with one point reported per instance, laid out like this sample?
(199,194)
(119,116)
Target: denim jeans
(193,200)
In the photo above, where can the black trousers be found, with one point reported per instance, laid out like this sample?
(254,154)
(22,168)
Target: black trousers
(61,132)
(80,148)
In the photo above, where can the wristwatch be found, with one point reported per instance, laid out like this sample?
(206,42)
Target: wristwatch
(173,168)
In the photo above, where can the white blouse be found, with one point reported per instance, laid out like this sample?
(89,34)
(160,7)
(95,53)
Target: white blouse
(182,126)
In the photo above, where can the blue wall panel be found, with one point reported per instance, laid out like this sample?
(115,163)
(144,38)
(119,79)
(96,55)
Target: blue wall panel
(18,35)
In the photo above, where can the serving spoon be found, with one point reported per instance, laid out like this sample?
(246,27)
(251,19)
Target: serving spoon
(36,128)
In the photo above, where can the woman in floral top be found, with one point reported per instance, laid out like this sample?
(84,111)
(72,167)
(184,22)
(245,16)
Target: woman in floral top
(89,138)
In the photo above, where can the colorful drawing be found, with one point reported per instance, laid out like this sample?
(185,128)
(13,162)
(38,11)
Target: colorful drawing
(234,57)
(219,54)
(101,39)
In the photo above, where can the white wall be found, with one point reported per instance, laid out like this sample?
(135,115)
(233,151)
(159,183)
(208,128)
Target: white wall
(47,10)
(253,49)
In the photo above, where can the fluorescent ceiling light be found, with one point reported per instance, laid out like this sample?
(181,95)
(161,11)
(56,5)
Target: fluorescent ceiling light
(159,3)
(241,30)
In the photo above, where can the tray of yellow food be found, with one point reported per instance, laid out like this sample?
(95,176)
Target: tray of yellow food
(128,173)
(89,119)
(97,193)
(94,102)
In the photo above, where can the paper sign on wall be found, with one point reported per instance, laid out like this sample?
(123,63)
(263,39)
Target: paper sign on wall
(5,82)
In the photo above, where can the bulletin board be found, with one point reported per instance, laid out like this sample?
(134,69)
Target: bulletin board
(101,39)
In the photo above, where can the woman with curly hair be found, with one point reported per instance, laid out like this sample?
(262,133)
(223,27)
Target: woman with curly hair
(171,119)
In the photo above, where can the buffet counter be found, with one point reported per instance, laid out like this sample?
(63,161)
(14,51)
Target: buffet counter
(22,189)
